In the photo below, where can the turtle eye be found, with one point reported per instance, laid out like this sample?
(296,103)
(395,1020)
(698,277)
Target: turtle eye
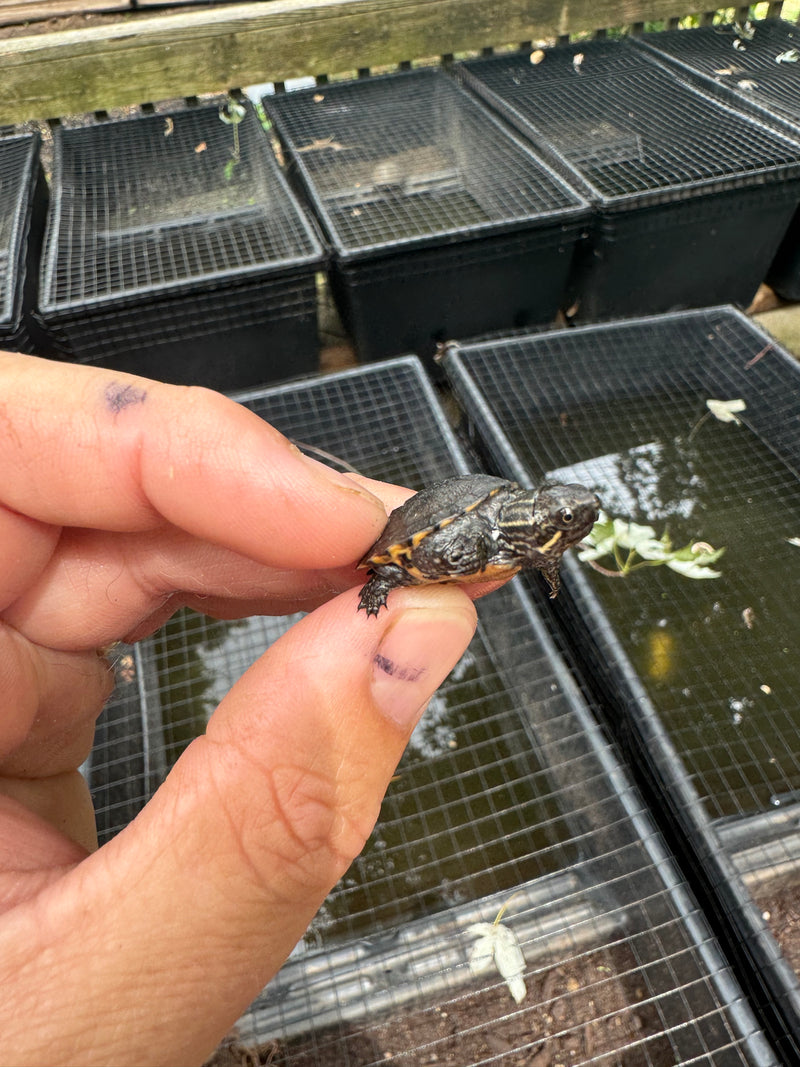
(566,515)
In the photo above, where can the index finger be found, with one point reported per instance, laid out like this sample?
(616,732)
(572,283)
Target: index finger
(83,446)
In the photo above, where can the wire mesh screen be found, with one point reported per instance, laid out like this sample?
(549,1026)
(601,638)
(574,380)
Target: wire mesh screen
(624,409)
(157,201)
(397,159)
(757,63)
(701,666)
(18,159)
(507,795)
(628,125)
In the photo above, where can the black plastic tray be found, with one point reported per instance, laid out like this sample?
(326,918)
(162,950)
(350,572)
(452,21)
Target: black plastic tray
(742,62)
(691,197)
(697,678)
(175,249)
(508,794)
(23,205)
(441,222)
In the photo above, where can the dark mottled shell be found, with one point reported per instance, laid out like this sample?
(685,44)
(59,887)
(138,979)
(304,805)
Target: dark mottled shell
(432,510)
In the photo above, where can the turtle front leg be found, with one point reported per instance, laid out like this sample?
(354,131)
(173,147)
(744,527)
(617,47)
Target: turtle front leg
(552,572)
(380,584)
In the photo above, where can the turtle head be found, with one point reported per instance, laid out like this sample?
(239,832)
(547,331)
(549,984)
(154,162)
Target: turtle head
(541,525)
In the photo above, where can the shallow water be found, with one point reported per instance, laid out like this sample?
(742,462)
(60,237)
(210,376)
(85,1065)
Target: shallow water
(720,658)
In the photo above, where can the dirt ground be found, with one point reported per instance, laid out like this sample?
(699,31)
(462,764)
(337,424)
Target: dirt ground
(781,911)
(593,1009)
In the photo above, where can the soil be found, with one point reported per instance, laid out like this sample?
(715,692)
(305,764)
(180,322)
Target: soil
(781,911)
(591,1009)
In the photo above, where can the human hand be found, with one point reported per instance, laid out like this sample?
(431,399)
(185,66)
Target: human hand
(121,500)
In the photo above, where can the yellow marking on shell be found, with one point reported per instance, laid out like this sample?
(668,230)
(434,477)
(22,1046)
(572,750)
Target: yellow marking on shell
(400,553)
(553,540)
(488,574)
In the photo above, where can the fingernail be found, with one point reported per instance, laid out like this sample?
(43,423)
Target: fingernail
(416,654)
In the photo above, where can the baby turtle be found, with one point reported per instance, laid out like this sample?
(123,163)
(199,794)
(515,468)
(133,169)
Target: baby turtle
(476,528)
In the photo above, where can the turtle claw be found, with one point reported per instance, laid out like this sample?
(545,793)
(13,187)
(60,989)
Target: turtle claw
(373,597)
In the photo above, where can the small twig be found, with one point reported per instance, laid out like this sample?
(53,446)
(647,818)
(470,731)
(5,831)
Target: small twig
(604,570)
(758,356)
(697,426)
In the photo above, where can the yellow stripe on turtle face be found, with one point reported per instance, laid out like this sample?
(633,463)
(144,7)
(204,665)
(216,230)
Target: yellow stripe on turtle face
(553,540)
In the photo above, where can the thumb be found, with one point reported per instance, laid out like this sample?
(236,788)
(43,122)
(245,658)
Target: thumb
(217,879)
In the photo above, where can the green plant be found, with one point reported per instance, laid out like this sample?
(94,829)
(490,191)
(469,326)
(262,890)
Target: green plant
(633,547)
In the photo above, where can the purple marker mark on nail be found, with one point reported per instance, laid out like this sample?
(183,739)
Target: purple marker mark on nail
(394,670)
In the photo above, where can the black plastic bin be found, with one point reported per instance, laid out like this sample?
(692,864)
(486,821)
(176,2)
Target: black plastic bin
(175,249)
(23,205)
(698,678)
(691,197)
(756,65)
(507,795)
(442,223)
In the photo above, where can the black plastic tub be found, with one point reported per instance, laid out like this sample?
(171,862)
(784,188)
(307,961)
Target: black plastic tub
(23,206)
(508,794)
(756,65)
(697,677)
(691,197)
(441,222)
(175,249)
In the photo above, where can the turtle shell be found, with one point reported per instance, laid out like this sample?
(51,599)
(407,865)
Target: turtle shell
(431,510)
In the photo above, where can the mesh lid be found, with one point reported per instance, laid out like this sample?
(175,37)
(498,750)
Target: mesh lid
(16,161)
(162,200)
(627,124)
(623,408)
(746,64)
(398,159)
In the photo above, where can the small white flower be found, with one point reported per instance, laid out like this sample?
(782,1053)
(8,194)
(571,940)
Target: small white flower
(790,56)
(747,84)
(725,410)
(794,541)
(498,945)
